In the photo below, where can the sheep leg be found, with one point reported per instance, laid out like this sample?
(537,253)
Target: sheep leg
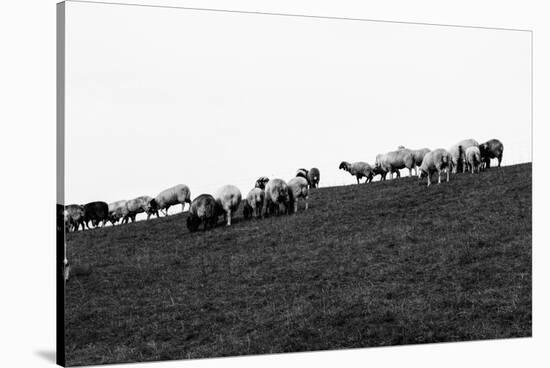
(447,173)
(429,178)
(265,207)
(499,160)
(439,176)
(410,172)
(306,203)
(229,217)
(357,177)
(295,206)
(182,206)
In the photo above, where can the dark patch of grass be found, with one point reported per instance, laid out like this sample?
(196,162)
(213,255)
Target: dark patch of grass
(377,264)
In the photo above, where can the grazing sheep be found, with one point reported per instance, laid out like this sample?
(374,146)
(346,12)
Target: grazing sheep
(254,203)
(117,211)
(297,188)
(393,161)
(314,176)
(97,212)
(491,149)
(261,182)
(228,198)
(179,194)
(458,154)
(74,217)
(435,160)
(473,159)
(358,169)
(204,209)
(135,206)
(276,193)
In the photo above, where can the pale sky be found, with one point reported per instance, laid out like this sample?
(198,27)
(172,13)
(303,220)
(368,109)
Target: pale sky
(157,97)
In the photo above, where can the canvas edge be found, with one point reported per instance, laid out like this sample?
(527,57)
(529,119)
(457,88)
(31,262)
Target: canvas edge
(60,183)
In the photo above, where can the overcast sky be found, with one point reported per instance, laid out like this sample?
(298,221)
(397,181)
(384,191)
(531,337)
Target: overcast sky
(157,97)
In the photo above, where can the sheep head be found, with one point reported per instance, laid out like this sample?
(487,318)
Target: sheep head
(344,165)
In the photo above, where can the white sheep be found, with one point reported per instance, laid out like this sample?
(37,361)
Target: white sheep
(117,210)
(135,206)
(297,188)
(418,155)
(74,217)
(393,161)
(254,203)
(179,194)
(458,153)
(358,169)
(228,198)
(436,160)
(276,193)
(473,159)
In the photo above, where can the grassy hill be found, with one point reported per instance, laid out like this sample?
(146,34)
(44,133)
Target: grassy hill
(367,265)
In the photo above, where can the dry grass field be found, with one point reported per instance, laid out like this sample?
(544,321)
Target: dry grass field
(378,264)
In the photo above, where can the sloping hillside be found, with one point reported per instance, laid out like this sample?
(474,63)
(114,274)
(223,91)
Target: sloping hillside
(367,265)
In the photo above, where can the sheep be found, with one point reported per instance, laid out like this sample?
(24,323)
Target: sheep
(435,160)
(135,206)
(418,155)
(393,161)
(117,210)
(297,188)
(254,203)
(314,176)
(74,217)
(457,153)
(491,149)
(276,193)
(261,182)
(178,194)
(228,198)
(97,212)
(473,159)
(358,169)
(303,173)
(204,209)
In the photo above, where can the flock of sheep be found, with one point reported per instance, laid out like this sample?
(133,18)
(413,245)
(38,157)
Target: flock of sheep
(275,196)
(466,155)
